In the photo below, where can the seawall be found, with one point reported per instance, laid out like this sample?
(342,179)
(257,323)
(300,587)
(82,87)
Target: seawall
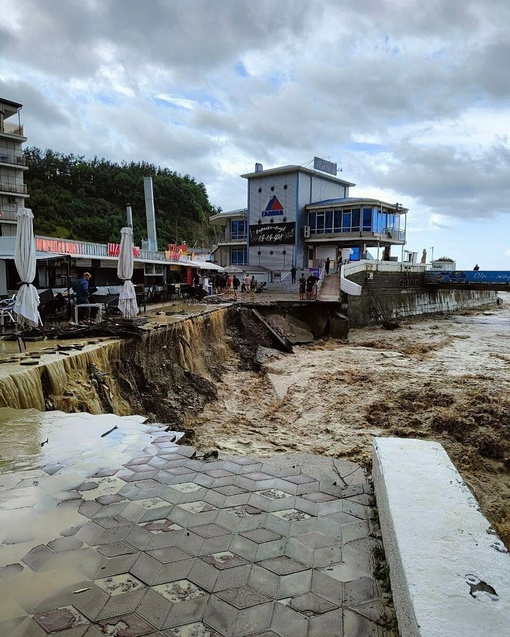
(404,294)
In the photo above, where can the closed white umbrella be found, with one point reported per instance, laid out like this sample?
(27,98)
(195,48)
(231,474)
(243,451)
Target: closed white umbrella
(127,298)
(27,299)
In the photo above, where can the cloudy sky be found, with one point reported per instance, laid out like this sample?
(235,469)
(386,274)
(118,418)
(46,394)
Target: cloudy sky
(410,97)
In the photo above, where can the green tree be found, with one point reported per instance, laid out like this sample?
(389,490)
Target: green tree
(72,197)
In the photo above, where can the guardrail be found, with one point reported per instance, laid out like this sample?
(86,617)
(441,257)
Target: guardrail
(7,214)
(12,158)
(88,249)
(12,129)
(232,237)
(16,188)
(371,265)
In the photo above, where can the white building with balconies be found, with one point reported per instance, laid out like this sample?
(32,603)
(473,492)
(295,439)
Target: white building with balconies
(13,190)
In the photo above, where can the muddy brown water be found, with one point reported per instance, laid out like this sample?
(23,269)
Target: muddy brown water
(444,378)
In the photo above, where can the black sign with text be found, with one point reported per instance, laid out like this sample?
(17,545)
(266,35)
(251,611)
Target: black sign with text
(273,234)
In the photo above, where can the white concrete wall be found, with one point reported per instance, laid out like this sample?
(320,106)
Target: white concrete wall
(438,544)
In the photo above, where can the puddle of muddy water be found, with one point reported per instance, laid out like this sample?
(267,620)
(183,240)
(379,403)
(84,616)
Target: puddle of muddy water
(30,439)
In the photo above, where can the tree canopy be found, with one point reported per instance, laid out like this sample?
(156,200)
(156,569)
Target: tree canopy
(75,198)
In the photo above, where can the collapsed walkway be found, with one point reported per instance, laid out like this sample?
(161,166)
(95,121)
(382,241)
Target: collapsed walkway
(127,533)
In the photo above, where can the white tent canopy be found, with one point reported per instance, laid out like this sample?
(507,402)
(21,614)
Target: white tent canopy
(127,297)
(27,299)
(203,265)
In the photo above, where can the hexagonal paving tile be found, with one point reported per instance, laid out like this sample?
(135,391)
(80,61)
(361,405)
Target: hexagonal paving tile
(314,549)
(180,591)
(281,577)
(60,619)
(242,597)
(125,626)
(241,518)
(223,560)
(259,544)
(188,602)
(119,584)
(161,526)
(197,629)
(291,522)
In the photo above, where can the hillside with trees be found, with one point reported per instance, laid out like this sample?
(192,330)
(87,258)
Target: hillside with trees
(75,198)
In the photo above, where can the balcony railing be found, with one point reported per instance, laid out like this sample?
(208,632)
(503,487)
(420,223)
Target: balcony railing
(12,158)
(8,213)
(88,249)
(20,189)
(385,233)
(11,129)
(232,237)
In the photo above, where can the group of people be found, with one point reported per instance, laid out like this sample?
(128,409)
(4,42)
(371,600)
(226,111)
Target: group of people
(307,286)
(224,283)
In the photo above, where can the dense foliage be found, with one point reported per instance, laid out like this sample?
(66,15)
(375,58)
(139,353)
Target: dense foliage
(74,198)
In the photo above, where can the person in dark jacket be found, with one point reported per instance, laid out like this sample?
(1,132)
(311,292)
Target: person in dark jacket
(81,289)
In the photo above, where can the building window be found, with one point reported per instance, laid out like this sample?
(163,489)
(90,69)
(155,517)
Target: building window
(238,256)
(337,221)
(367,219)
(328,225)
(346,221)
(238,229)
(355,220)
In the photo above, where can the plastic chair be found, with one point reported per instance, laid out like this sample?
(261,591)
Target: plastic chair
(6,312)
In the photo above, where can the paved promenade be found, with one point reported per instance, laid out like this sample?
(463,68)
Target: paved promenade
(132,535)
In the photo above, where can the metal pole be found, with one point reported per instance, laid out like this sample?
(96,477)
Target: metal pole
(404,242)
(129,215)
(68,277)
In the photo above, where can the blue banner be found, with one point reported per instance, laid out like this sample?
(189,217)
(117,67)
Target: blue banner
(467,276)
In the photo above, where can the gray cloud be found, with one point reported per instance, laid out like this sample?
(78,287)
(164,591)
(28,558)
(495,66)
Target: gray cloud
(276,81)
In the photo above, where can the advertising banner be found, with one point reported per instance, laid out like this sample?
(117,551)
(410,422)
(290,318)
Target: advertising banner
(113,250)
(273,234)
(495,277)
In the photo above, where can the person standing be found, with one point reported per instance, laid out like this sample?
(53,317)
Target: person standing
(293,273)
(326,265)
(81,289)
(302,286)
(310,286)
(235,285)
(253,284)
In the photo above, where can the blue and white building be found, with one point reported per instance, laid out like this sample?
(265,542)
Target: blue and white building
(302,216)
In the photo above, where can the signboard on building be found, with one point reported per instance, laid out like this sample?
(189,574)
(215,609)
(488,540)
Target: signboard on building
(273,234)
(494,277)
(113,250)
(175,251)
(325,166)
(273,208)
(59,245)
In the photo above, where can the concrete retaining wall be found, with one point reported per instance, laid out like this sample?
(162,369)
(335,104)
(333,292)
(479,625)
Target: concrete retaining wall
(449,571)
(403,294)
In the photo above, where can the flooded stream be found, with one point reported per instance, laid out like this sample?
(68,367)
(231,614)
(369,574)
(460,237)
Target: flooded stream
(444,378)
